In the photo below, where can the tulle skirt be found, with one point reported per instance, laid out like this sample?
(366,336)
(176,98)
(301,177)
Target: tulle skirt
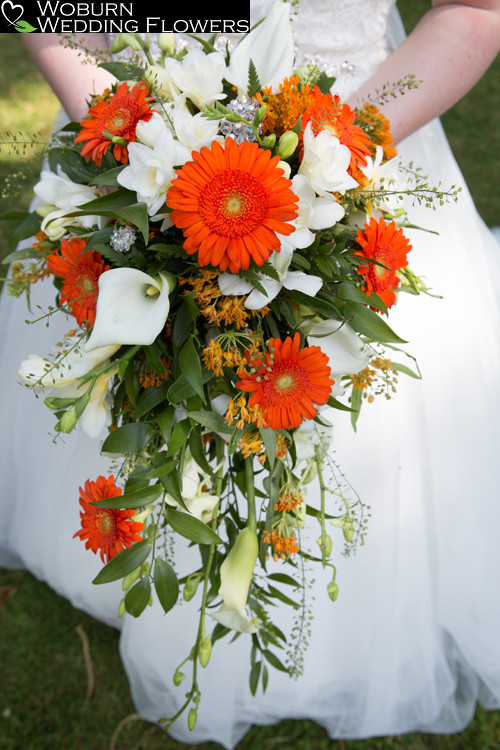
(412,641)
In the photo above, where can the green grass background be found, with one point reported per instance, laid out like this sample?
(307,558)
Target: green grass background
(43,673)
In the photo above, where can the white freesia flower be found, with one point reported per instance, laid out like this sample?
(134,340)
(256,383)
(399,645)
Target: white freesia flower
(345,350)
(66,369)
(198,76)
(386,178)
(313,212)
(232,284)
(151,169)
(132,307)
(148,131)
(194,131)
(198,502)
(63,378)
(161,81)
(60,196)
(270,46)
(325,163)
(235,578)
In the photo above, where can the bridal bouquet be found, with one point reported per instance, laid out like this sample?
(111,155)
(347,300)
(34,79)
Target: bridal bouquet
(225,238)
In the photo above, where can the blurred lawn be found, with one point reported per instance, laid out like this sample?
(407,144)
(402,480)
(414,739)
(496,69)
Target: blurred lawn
(43,678)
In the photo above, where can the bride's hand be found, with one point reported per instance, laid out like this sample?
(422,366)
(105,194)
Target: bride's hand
(448,51)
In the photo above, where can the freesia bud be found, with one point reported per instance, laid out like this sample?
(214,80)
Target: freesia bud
(327,544)
(287,144)
(269,141)
(126,40)
(130,579)
(190,588)
(333,591)
(192,716)
(178,677)
(204,650)
(348,530)
(166,42)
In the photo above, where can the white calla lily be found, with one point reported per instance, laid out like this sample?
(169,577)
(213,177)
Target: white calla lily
(270,46)
(236,575)
(132,307)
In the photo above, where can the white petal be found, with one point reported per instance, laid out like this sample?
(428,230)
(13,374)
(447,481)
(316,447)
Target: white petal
(303,282)
(127,312)
(270,46)
(230,284)
(234,619)
(343,347)
(97,415)
(256,300)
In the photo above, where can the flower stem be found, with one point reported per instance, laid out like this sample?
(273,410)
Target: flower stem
(250,487)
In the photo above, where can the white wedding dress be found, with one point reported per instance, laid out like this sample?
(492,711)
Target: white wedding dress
(412,643)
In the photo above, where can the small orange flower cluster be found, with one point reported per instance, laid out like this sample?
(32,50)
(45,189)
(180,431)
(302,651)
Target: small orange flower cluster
(150,378)
(215,358)
(371,120)
(285,108)
(283,546)
(251,444)
(216,307)
(288,501)
(239,410)
(377,378)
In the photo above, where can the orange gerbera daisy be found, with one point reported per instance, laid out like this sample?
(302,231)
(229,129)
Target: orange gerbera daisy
(106,530)
(114,122)
(288,382)
(387,246)
(231,201)
(329,113)
(80,270)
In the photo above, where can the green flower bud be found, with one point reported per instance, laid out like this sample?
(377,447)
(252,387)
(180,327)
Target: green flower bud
(348,530)
(121,608)
(130,579)
(68,420)
(166,42)
(126,40)
(192,716)
(190,588)
(178,677)
(287,144)
(308,74)
(204,650)
(269,141)
(333,590)
(260,114)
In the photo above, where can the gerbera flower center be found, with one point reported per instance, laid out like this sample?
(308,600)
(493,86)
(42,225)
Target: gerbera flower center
(105,522)
(286,379)
(233,203)
(119,122)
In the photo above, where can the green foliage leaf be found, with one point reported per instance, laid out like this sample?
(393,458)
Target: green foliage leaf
(211,420)
(191,528)
(128,438)
(254,84)
(124,71)
(369,323)
(135,499)
(124,563)
(190,366)
(166,584)
(137,598)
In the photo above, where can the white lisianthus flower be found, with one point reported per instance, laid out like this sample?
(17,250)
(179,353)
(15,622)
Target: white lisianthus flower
(314,212)
(198,502)
(232,284)
(151,169)
(132,307)
(198,76)
(235,577)
(270,46)
(325,163)
(387,177)
(60,196)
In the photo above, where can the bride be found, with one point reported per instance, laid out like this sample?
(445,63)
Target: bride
(412,641)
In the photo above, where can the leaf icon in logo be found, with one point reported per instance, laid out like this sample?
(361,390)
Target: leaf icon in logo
(24,27)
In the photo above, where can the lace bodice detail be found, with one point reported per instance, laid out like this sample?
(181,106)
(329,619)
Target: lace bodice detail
(348,39)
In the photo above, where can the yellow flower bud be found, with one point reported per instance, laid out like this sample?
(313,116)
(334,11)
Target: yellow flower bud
(333,590)
(166,42)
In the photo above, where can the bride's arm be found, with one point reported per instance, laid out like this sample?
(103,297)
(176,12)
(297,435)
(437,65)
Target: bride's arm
(449,50)
(71,75)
